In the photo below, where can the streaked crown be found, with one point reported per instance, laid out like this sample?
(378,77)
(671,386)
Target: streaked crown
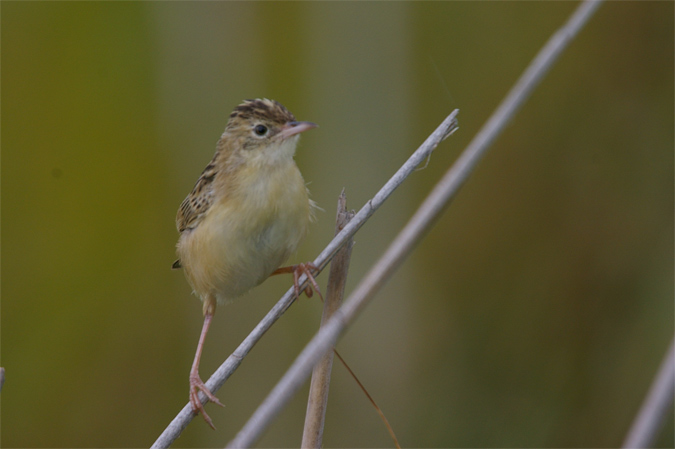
(261,109)
(256,124)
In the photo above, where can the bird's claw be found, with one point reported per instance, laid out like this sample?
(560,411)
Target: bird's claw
(197,385)
(298,270)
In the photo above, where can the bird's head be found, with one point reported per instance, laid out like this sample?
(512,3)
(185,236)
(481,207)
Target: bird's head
(263,129)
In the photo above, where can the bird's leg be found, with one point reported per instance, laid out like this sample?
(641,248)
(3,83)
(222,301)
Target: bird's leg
(196,383)
(298,270)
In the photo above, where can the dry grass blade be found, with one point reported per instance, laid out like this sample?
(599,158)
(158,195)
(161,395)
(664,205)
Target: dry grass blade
(370,398)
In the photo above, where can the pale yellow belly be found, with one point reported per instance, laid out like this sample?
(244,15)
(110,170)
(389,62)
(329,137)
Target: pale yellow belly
(241,241)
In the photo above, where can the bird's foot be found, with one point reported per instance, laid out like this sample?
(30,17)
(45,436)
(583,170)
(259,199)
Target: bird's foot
(298,270)
(196,385)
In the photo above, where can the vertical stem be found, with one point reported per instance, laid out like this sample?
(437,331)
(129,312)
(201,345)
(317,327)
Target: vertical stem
(318,391)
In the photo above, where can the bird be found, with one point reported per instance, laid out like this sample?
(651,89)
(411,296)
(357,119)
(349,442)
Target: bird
(245,216)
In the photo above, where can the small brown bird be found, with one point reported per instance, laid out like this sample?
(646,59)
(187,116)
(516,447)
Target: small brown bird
(245,216)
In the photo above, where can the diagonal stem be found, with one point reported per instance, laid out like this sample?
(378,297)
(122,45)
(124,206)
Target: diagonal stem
(220,376)
(414,230)
(648,421)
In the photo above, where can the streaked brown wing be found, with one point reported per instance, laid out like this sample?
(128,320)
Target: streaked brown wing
(198,201)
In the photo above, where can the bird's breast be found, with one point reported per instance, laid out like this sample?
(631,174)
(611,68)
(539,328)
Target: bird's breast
(248,233)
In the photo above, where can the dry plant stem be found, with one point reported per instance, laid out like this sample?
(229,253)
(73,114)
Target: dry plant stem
(647,423)
(312,435)
(176,426)
(425,216)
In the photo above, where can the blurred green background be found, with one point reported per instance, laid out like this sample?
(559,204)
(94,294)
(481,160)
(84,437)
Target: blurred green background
(535,314)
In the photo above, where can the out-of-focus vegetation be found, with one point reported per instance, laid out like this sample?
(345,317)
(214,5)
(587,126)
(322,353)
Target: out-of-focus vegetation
(535,314)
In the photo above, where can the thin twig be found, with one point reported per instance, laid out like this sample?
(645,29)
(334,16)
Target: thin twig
(423,219)
(312,435)
(648,421)
(372,401)
(176,426)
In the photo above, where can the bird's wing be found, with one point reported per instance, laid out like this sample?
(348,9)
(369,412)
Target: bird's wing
(198,202)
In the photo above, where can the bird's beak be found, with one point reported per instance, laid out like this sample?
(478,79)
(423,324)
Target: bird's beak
(293,128)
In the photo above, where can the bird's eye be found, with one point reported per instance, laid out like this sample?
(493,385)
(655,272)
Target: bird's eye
(260,130)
